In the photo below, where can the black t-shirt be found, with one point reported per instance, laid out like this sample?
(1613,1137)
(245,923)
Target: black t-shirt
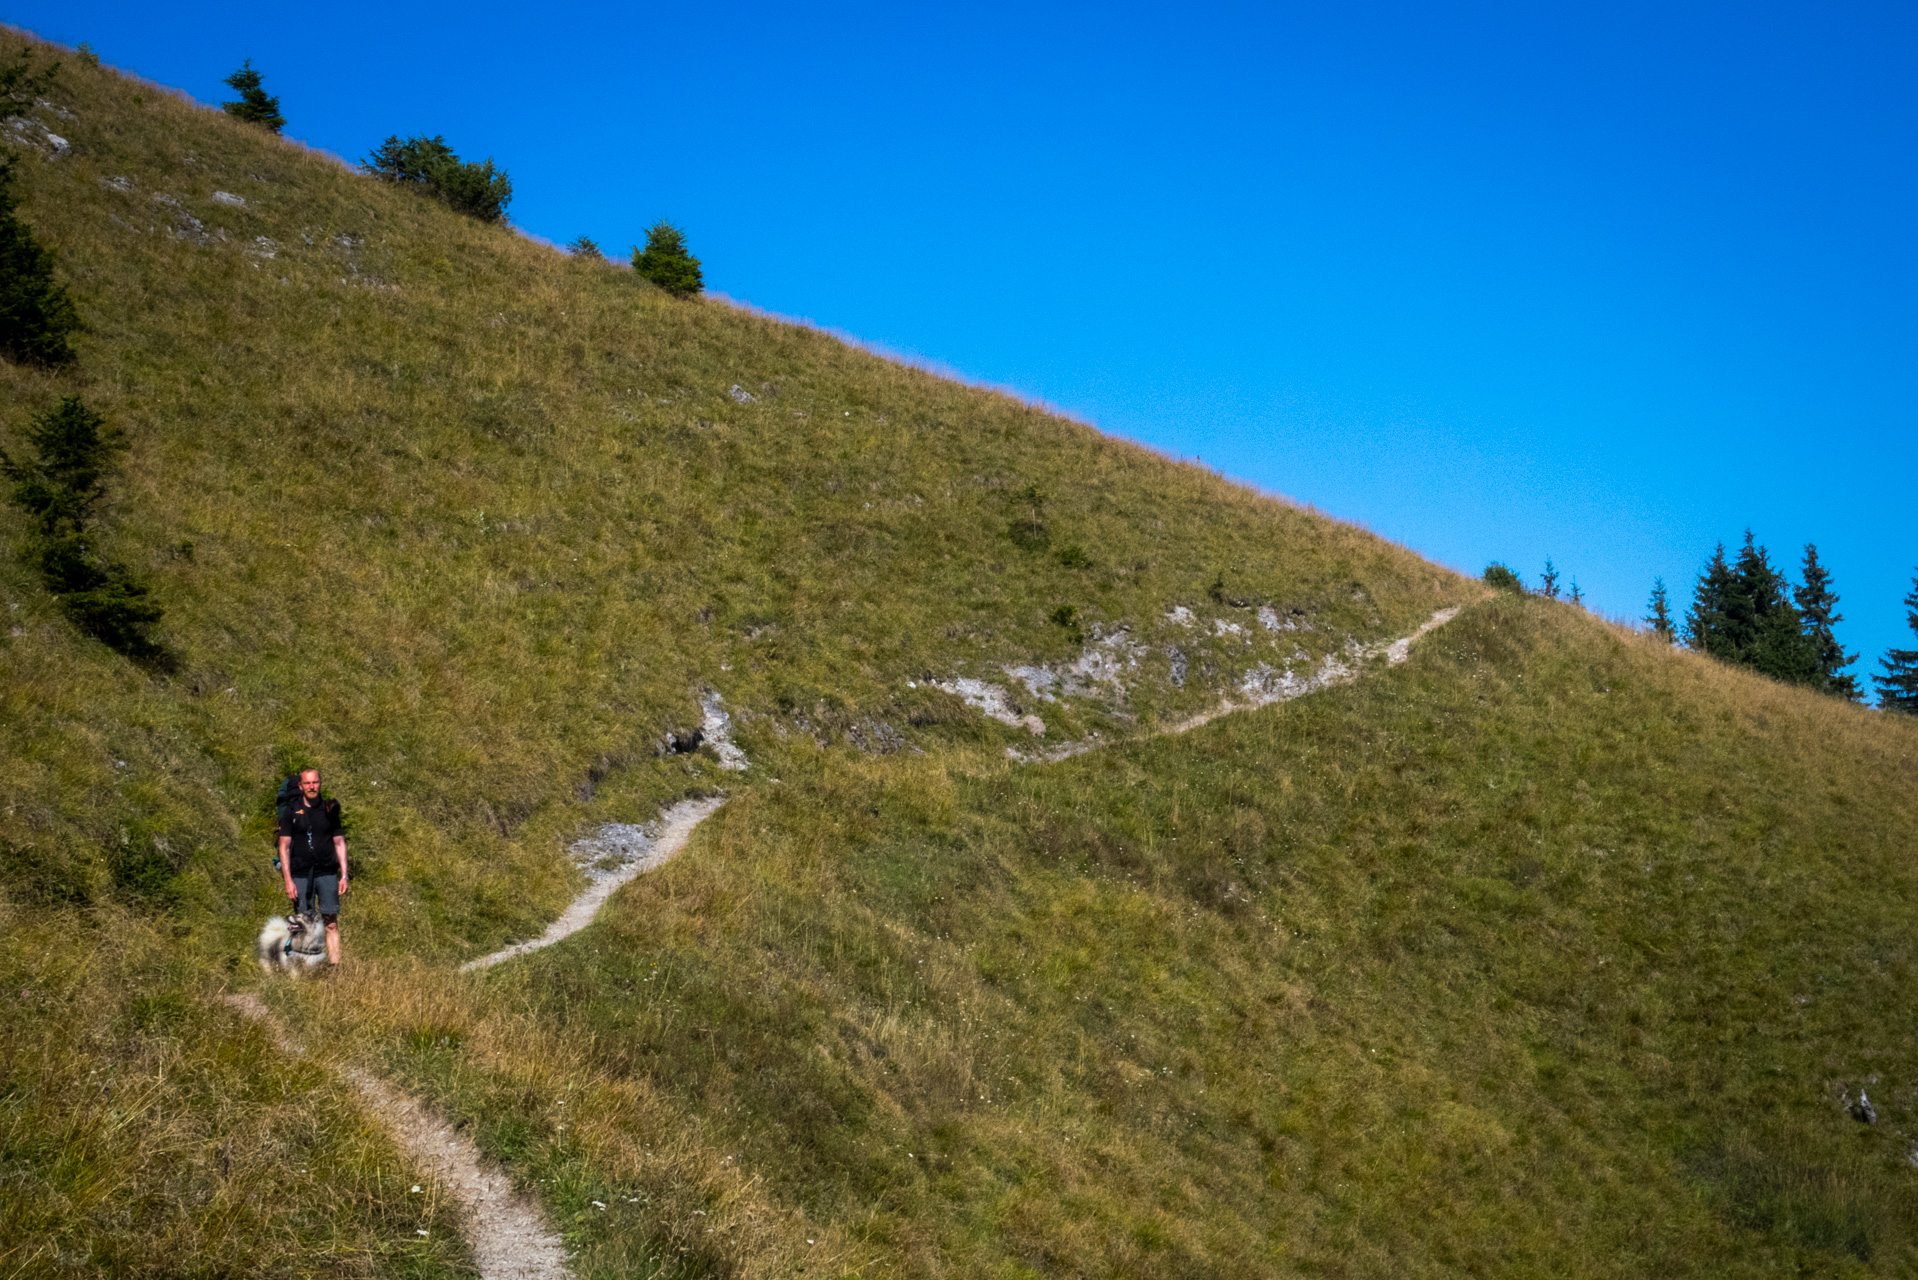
(312,826)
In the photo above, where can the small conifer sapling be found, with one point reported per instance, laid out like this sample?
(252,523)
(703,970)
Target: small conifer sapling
(255,105)
(1548,581)
(587,248)
(1660,617)
(36,315)
(666,261)
(59,487)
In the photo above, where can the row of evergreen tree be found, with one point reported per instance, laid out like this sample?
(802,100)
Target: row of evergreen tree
(478,188)
(1747,611)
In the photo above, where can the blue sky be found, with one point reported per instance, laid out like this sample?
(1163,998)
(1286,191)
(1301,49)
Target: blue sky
(1602,283)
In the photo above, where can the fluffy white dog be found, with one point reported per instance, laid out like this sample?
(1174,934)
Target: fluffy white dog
(292,944)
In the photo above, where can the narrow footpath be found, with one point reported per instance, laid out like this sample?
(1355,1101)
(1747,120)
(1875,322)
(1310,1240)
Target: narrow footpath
(507,1229)
(675,829)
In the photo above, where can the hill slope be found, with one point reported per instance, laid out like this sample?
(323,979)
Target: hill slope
(1546,952)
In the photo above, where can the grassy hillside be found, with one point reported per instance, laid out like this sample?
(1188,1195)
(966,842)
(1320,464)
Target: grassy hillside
(455,515)
(1549,953)
(1545,953)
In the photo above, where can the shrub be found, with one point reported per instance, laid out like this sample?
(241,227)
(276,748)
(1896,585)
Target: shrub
(36,315)
(1028,529)
(1503,578)
(59,488)
(586,247)
(477,189)
(20,83)
(1548,580)
(256,105)
(666,262)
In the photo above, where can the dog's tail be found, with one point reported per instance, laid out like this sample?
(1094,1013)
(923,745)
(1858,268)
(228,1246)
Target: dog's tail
(271,946)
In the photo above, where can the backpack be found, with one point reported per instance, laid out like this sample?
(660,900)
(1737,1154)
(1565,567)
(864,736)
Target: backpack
(289,792)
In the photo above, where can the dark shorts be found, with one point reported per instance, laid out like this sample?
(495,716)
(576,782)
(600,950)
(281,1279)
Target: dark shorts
(325,888)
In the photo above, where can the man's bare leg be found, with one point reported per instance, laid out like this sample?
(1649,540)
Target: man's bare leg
(333,941)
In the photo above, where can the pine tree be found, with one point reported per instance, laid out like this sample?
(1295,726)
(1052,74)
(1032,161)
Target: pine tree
(1577,597)
(1898,687)
(586,247)
(1660,618)
(59,488)
(1818,612)
(21,85)
(1548,581)
(666,262)
(256,105)
(475,188)
(1768,635)
(1706,628)
(36,315)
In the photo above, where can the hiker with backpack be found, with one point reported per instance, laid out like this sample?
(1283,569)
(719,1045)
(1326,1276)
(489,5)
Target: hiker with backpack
(313,854)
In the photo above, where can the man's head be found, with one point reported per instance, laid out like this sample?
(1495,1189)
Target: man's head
(310,783)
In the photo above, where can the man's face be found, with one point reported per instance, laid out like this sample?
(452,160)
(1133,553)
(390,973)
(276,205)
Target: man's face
(310,784)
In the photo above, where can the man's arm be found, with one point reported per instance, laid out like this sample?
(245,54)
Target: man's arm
(286,865)
(339,851)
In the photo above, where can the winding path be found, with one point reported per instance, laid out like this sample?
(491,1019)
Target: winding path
(507,1229)
(1263,687)
(675,828)
(1333,672)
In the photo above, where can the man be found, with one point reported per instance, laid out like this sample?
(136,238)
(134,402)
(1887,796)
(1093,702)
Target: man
(313,855)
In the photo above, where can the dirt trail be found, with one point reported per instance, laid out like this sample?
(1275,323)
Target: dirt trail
(1334,671)
(675,828)
(507,1230)
(1261,687)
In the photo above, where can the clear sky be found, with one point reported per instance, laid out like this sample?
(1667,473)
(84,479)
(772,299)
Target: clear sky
(1605,283)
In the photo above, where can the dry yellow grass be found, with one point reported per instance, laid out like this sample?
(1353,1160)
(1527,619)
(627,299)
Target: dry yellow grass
(1491,963)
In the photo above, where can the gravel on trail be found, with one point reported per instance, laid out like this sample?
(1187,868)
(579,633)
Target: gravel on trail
(505,1228)
(639,852)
